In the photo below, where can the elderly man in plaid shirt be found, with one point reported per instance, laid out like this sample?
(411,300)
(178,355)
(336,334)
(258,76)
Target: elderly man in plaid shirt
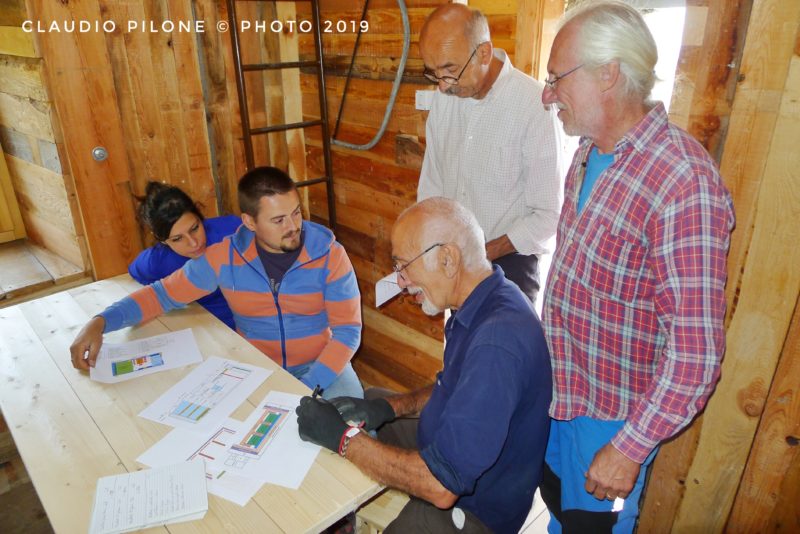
(634,303)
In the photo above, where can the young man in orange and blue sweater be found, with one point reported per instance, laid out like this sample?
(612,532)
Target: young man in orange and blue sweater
(289,283)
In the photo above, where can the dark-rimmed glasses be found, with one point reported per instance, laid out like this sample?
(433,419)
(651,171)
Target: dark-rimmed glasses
(450,80)
(400,268)
(551,83)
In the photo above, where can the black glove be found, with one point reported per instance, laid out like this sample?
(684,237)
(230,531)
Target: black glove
(373,413)
(320,423)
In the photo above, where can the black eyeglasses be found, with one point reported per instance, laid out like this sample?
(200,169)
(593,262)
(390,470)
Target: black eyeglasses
(449,79)
(400,268)
(551,84)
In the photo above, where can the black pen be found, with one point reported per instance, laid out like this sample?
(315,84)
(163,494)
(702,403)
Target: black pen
(317,391)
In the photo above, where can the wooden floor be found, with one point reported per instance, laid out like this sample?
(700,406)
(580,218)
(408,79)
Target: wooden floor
(29,271)
(20,509)
(537,520)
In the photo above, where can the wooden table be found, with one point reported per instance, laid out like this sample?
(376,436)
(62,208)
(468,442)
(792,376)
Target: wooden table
(71,430)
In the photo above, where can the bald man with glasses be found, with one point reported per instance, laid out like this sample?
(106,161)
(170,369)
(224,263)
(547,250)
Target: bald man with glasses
(472,458)
(489,145)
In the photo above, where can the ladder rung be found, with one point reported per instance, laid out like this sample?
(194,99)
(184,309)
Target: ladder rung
(284,127)
(275,66)
(313,181)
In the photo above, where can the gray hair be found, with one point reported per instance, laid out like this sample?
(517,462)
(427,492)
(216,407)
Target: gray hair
(447,221)
(611,30)
(477,29)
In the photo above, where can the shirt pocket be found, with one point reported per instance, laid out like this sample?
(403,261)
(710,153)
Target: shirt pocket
(612,266)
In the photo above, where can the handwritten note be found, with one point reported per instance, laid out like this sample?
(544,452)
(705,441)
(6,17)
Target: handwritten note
(144,499)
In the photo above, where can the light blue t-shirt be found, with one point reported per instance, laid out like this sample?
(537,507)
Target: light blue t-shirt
(595,165)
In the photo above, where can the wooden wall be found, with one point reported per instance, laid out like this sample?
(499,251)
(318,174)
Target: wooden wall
(31,138)
(401,347)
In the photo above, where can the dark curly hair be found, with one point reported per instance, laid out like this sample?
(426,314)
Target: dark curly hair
(162,205)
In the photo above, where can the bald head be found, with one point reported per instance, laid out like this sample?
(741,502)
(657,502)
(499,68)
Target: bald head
(453,21)
(440,220)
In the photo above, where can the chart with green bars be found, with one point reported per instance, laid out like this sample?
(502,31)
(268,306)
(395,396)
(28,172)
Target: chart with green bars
(260,434)
(194,405)
(139,363)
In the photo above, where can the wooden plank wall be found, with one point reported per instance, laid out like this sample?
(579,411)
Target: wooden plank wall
(171,110)
(32,141)
(401,347)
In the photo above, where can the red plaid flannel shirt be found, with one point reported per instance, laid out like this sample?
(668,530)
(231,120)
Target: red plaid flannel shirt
(634,303)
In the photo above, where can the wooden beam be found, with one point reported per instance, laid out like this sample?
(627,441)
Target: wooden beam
(768,494)
(535,31)
(292,96)
(529,33)
(767,296)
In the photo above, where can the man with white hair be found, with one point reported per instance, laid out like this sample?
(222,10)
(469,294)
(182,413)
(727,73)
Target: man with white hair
(634,305)
(472,459)
(488,145)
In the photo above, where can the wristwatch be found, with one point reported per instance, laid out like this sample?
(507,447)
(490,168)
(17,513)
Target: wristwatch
(346,437)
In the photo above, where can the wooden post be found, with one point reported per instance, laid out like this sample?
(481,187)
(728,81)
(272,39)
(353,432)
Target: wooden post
(81,85)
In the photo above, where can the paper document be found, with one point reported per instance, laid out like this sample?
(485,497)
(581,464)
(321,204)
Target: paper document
(144,499)
(185,445)
(207,395)
(241,456)
(386,288)
(267,445)
(117,362)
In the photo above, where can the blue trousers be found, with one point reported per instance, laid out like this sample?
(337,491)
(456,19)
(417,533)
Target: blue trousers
(570,450)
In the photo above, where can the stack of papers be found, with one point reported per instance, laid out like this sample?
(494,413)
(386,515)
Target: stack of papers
(242,456)
(134,501)
(233,458)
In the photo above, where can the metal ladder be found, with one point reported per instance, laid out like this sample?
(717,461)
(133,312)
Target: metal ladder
(317,64)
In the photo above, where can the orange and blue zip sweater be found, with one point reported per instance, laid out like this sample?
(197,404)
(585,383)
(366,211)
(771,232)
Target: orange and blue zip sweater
(314,315)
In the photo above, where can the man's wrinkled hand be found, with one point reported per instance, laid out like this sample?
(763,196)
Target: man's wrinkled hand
(611,474)
(372,413)
(319,422)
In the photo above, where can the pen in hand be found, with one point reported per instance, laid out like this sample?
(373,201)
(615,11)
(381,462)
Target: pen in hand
(317,392)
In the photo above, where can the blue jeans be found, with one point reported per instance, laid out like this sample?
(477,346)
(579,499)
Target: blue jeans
(346,384)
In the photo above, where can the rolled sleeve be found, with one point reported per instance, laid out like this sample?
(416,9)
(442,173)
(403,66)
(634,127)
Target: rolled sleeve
(473,431)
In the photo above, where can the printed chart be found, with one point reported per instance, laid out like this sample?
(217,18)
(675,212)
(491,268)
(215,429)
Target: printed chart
(123,367)
(195,404)
(257,438)
(207,395)
(118,362)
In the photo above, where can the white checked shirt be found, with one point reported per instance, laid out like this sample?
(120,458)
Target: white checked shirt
(500,156)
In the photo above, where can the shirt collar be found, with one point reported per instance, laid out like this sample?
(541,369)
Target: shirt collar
(474,302)
(643,134)
(500,54)
(637,138)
